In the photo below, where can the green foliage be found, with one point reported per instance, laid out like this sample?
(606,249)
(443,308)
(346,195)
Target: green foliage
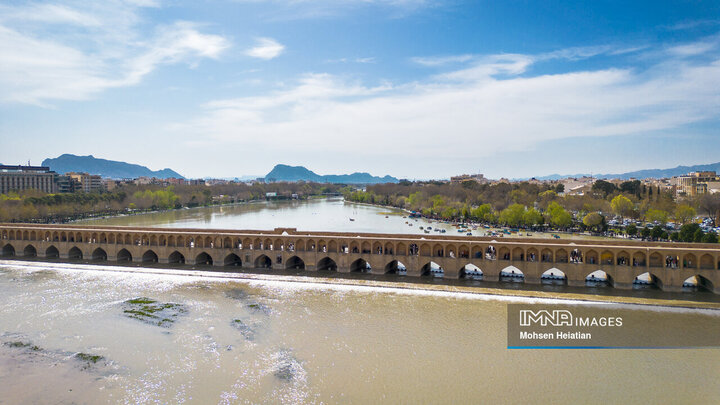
(657,232)
(513,215)
(631,230)
(559,216)
(688,232)
(621,205)
(653,215)
(533,217)
(604,187)
(593,220)
(710,237)
(684,213)
(483,213)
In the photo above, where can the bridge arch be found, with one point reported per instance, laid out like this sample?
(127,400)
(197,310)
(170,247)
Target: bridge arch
(8,250)
(99,255)
(432,269)
(232,260)
(689,261)
(52,253)
(518,254)
(263,262)
(698,282)
(326,264)
(546,256)
(504,253)
(623,258)
(591,257)
(607,257)
(656,260)
(707,262)
(124,256)
(471,272)
(647,280)
(553,276)
(203,259)
(639,259)
(295,263)
(150,257)
(176,258)
(75,253)
(561,256)
(532,255)
(477,252)
(598,278)
(30,251)
(512,274)
(360,266)
(396,267)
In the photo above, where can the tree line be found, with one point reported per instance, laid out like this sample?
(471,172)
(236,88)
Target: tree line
(533,205)
(36,206)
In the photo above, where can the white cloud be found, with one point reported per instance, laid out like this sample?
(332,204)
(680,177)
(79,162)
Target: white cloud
(265,48)
(442,60)
(90,51)
(463,115)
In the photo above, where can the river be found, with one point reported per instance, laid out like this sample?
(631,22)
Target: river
(79,333)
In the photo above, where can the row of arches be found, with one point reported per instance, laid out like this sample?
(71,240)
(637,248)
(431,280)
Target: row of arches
(431,269)
(483,251)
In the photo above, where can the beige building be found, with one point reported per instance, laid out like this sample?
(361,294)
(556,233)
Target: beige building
(88,182)
(19,178)
(480,178)
(697,183)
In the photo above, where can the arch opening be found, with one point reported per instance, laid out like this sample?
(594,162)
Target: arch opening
(124,256)
(598,278)
(432,269)
(327,264)
(150,257)
(176,258)
(75,253)
(52,253)
(698,283)
(471,272)
(295,263)
(232,260)
(512,274)
(396,267)
(8,250)
(553,276)
(360,266)
(647,280)
(263,262)
(30,251)
(99,255)
(203,259)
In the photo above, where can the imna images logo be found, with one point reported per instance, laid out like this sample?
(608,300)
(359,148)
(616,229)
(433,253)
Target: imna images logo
(557,317)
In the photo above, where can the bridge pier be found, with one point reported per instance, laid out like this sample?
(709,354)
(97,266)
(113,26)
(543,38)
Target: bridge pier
(623,286)
(532,280)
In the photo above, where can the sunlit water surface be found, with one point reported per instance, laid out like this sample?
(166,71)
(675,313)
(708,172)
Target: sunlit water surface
(305,343)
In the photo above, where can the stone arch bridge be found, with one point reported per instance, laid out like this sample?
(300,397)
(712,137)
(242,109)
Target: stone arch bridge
(617,263)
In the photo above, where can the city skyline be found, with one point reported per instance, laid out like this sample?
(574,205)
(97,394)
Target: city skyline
(415,89)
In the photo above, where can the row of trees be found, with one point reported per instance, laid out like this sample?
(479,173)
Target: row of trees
(35,206)
(528,204)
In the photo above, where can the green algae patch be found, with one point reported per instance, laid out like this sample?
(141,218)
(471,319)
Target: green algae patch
(246,330)
(23,345)
(152,312)
(90,358)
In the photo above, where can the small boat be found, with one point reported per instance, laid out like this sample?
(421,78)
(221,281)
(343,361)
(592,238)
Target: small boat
(386,216)
(352,219)
(442,231)
(409,224)
(426,231)
(469,234)
(421,227)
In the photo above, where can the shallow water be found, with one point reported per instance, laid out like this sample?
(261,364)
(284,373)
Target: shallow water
(308,343)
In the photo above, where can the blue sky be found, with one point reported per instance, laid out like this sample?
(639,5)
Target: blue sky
(411,88)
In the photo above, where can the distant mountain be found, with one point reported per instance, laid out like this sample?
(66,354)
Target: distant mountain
(105,168)
(643,174)
(300,173)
